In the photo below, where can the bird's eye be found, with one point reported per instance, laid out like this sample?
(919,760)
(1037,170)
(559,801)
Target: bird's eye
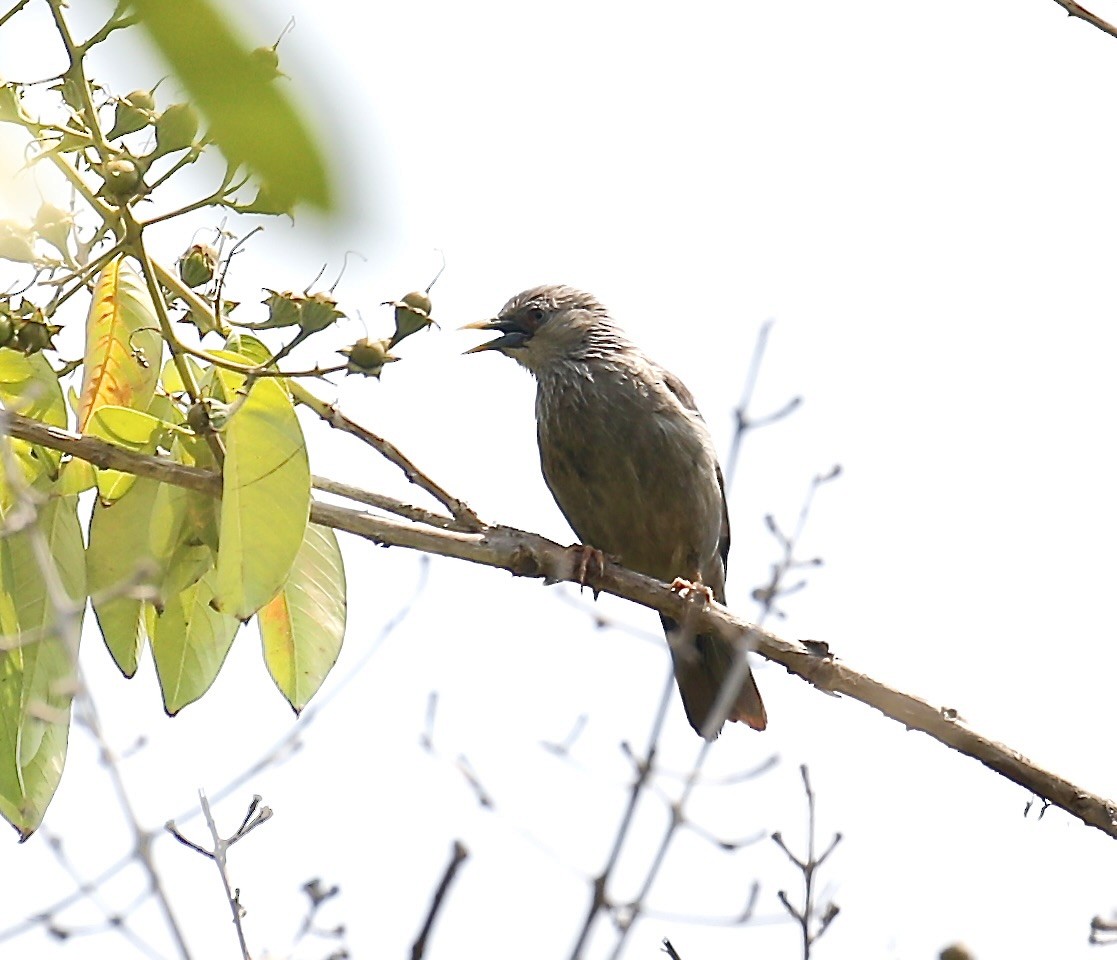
(536,316)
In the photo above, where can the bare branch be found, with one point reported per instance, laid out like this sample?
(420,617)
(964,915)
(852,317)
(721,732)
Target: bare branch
(530,555)
(1076,10)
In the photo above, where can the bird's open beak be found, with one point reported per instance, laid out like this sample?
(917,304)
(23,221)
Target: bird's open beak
(513,336)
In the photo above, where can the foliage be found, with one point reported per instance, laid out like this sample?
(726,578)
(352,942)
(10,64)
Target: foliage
(166,372)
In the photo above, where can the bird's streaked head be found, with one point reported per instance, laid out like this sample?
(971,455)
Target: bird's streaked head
(550,324)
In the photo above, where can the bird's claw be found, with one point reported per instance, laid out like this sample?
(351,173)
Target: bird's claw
(589,564)
(692,591)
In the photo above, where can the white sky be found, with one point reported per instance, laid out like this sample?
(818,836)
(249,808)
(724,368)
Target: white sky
(919,196)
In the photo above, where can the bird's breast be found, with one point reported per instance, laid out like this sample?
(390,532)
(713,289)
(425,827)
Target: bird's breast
(633,471)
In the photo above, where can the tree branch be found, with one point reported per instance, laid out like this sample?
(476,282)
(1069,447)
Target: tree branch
(1075,10)
(527,554)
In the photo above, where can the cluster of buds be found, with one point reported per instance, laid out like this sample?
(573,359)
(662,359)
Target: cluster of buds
(24,328)
(310,312)
(176,128)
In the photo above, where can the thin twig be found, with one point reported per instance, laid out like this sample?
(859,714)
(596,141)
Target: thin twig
(384,502)
(458,856)
(742,422)
(338,420)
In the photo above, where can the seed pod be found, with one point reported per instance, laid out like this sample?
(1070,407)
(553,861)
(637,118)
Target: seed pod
(123,180)
(284,310)
(319,310)
(196,266)
(7,329)
(176,128)
(32,336)
(413,313)
(17,242)
(54,224)
(367,357)
(264,63)
(133,112)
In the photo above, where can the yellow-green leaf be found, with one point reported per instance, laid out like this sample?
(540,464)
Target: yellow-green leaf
(250,117)
(265,500)
(29,386)
(131,430)
(119,551)
(189,644)
(37,659)
(302,626)
(182,537)
(123,350)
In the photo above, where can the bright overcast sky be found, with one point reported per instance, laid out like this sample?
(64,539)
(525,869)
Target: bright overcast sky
(919,195)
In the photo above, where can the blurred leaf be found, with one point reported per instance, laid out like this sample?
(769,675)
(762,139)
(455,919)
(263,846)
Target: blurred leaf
(190,643)
(303,625)
(265,500)
(29,386)
(37,676)
(119,544)
(123,349)
(250,118)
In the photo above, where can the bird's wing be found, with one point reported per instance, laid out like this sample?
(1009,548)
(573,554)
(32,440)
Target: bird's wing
(686,398)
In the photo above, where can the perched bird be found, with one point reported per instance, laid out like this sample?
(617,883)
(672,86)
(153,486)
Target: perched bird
(631,465)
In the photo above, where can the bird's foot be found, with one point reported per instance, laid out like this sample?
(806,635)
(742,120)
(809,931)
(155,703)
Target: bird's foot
(588,564)
(698,592)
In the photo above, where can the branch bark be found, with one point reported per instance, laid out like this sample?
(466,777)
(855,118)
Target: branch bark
(527,554)
(1077,10)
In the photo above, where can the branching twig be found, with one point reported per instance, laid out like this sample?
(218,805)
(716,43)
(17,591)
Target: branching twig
(805,917)
(256,816)
(743,423)
(335,418)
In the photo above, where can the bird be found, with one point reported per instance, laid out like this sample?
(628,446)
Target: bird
(633,468)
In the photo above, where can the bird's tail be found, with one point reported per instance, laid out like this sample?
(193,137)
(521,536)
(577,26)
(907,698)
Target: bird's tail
(701,666)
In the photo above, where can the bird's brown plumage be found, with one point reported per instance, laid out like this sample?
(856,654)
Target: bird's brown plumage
(631,465)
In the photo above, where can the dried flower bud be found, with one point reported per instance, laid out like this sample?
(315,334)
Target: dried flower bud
(196,266)
(133,112)
(413,313)
(32,336)
(319,310)
(123,180)
(284,310)
(367,357)
(176,128)
(54,224)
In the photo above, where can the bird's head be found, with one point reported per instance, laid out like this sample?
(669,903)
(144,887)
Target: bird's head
(550,324)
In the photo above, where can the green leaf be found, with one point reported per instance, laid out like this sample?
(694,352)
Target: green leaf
(37,675)
(28,385)
(119,547)
(172,379)
(182,537)
(265,500)
(303,625)
(123,348)
(131,430)
(248,349)
(249,116)
(190,643)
